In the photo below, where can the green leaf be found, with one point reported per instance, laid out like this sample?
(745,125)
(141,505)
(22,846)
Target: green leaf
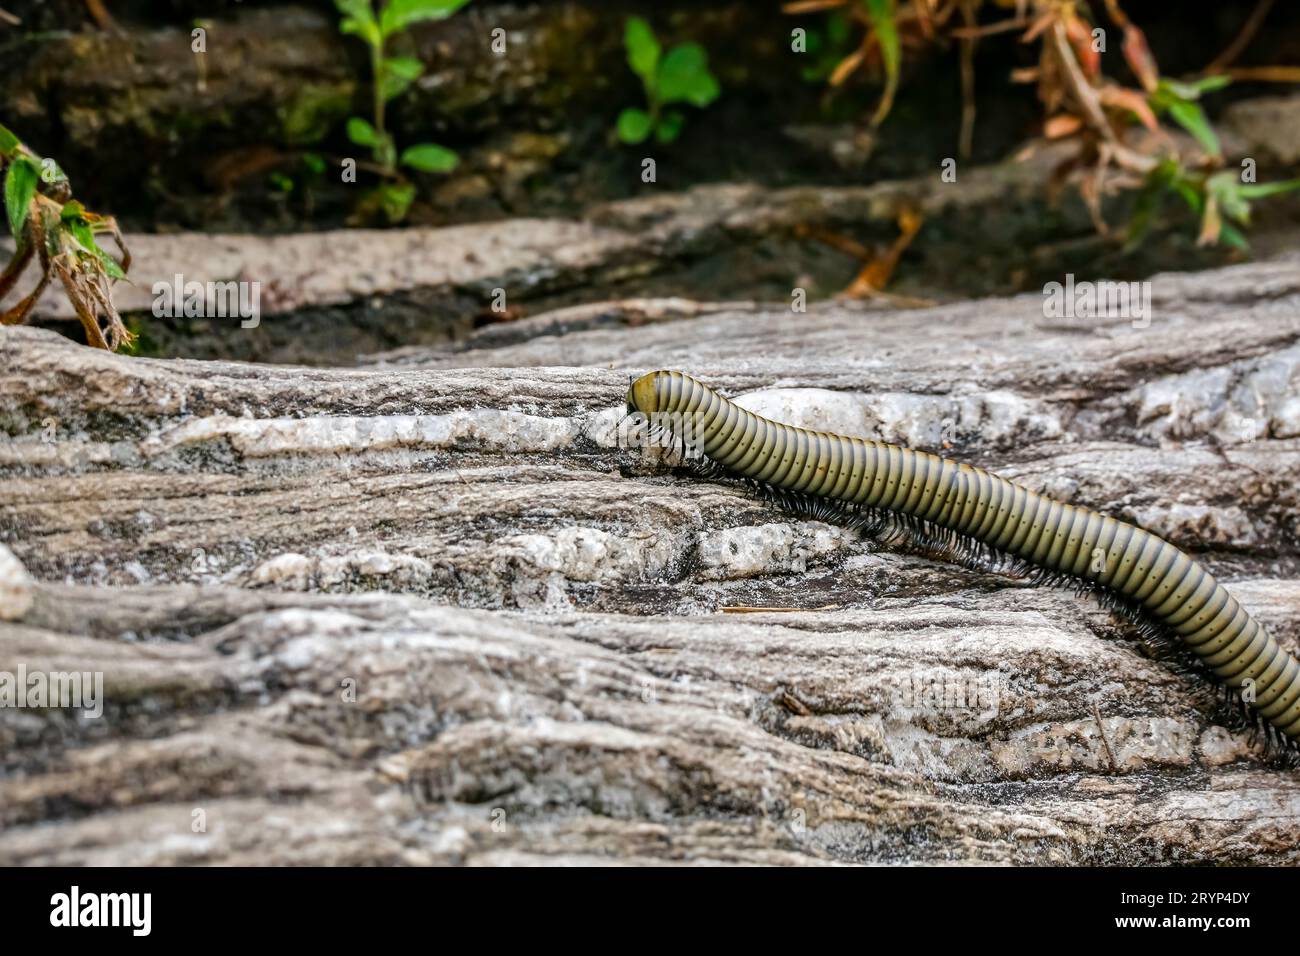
(368,31)
(357,9)
(359,19)
(1194,89)
(670,126)
(314,162)
(634,126)
(1144,210)
(75,225)
(886,27)
(1261,190)
(110,265)
(1193,198)
(428,158)
(1226,190)
(362,133)
(891,51)
(1233,237)
(20,187)
(684,77)
(72,210)
(395,199)
(1208,84)
(1159,182)
(399,72)
(8,142)
(79,229)
(642,49)
(1191,117)
(400,14)
(1178,100)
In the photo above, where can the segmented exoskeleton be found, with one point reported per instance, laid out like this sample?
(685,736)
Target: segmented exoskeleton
(946,504)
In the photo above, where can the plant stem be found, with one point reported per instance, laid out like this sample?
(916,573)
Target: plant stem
(652,101)
(377,59)
(377,71)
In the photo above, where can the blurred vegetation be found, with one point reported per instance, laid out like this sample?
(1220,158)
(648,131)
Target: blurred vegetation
(390,77)
(528,138)
(58,233)
(680,76)
(1080,103)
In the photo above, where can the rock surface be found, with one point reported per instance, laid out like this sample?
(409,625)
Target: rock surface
(609,243)
(437,609)
(15,587)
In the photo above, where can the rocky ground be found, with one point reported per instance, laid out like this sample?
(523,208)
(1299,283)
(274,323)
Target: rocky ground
(437,609)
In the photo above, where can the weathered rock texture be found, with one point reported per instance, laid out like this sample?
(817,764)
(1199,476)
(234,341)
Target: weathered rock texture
(141,120)
(433,610)
(375,289)
(611,243)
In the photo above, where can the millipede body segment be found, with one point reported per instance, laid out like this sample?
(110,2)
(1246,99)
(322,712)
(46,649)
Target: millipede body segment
(856,476)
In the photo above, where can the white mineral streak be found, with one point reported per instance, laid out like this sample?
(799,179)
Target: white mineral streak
(16,587)
(268,437)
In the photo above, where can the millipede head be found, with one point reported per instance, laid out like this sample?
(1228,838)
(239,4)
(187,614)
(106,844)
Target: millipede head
(642,396)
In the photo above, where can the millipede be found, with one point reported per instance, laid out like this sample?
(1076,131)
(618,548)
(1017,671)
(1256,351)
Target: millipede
(966,512)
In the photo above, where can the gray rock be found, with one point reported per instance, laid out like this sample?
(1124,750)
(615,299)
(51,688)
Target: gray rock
(15,587)
(438,610)
(1269,124)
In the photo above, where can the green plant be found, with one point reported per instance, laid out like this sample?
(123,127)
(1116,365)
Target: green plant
(828,47)
(1218,199)
(391,76)
(51,227)
(1081,104)
(1178,100)
(680,76)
